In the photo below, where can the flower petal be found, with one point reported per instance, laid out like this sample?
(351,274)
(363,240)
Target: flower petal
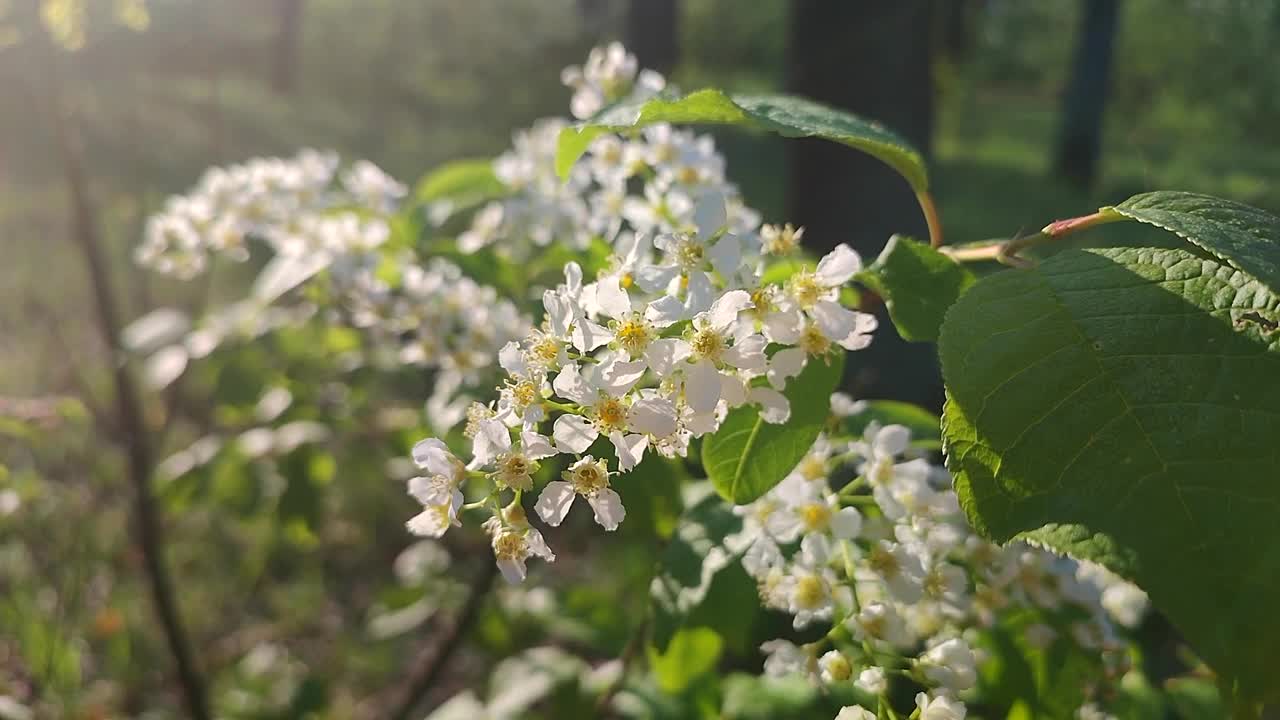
(630,449)
(655,416)
(513,570)
(511,358)
(570,384)
(785,364)
(588,336)
(748,353)
(774,406)
(664,311)
(608,508)
(702,386)
(726,255)
(663,354)
(724,311)
(617,377)
(838,266)
(612,299)
(535,445)
(554,502)
(574,434)
(709,214)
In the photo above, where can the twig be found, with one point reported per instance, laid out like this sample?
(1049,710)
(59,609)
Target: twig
(628,655)
(402,699)
(128,408)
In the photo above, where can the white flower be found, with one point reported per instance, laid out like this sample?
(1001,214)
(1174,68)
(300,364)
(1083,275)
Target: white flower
(1126,603)
(872,680)
(784,658)
(609,74)
(689,258)
(817,293)
(855,712)
(515,465)
(811,508)
(939,707)
(879,621)
(1091,711)
(439,494)
(811,588)
(627,422)
(589,478)
(780,240)
(950,664)
(898,568)
(514,542)
(718,340)
(636,332)
(834,667)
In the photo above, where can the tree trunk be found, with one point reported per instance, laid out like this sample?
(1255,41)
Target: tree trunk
(652,33)
(872,58)
(1080,136)
(284,70)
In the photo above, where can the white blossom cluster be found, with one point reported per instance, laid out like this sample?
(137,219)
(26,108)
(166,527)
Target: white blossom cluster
(315,217)
(889,564)
(653,352)
(644,185)
(297,205)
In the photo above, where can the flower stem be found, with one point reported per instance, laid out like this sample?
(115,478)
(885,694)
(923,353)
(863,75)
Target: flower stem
(931,218)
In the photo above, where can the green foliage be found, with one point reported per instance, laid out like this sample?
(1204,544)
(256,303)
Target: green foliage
(1048,680)
(748,697)
(747,456)
(691,563)
(1128,395)
(690,654)
(781,114)
(925,427)
(918,284)
(1245,237)
(462,181)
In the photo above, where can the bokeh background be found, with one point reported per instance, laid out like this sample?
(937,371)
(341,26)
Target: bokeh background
(1029,111)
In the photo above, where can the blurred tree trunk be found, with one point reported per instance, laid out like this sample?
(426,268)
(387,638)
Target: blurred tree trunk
(284,68)
(1080,135)
(957,28)
(873,58)
(652,33)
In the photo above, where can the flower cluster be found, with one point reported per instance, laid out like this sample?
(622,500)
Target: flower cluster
(646,185)
(327,228)
(296,206)
(887,562)
(653,352)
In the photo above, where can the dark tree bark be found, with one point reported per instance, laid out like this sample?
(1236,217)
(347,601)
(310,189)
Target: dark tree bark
(872,58)
(284,67)
(1080,135)
(652,33)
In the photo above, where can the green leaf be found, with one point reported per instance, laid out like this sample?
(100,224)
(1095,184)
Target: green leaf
(918,284)
(462,181)
(1127,399)
(1195,699)
(747,456)
(924,425)
(691,562)
(781,114)
(692,652)
(752,697)
(1245,237)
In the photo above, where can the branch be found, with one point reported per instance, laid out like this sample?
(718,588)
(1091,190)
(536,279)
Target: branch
(628,655)
(129,409)
(431,660)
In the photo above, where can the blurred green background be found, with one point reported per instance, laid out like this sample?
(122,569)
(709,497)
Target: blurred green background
(1194,104)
